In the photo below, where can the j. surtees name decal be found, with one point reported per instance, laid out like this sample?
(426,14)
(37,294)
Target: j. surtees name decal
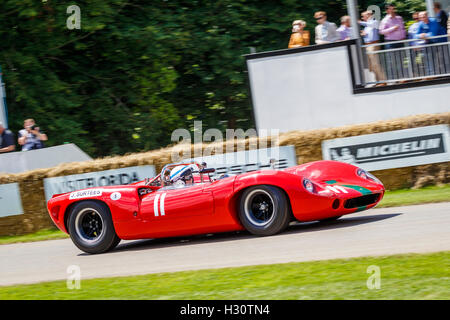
(85,194)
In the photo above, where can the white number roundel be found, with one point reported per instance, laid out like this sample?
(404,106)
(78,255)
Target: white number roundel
(115,196)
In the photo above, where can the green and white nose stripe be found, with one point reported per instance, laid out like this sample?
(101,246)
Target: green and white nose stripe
(363,190)
(333,186)
(337,189)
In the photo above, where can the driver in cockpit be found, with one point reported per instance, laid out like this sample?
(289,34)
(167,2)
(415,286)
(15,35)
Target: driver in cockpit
(181,176)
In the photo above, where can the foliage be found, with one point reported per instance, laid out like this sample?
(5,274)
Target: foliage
(138,70)
(407,7)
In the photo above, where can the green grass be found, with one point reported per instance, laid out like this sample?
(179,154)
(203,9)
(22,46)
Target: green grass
(47,234)
(407,197)
(412,276)
(394,198)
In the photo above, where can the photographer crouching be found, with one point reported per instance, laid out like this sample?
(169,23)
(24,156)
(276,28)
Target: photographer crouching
(31,137)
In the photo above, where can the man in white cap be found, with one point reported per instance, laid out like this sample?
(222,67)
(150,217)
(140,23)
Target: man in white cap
(6,140)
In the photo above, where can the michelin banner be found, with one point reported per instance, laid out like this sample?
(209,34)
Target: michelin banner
(251,160)
(75,182)
(393,149)
(10,202)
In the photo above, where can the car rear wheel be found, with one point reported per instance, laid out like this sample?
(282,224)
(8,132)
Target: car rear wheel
(264,210)
(91,228)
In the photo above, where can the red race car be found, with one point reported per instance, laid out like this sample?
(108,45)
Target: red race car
(185,200)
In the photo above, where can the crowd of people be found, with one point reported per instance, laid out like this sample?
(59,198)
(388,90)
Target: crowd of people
(423,30)
(29,138)
(392,27)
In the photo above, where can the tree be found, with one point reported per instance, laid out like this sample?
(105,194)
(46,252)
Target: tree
(136,71)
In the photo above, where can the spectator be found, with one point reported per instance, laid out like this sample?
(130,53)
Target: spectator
(441,16)
(370,24)
(412,30)
(31,137)
(371,36)
(345,31)
(416,56)
(6,140)
(325,31)
(299,36)
(429,27)
(392,27)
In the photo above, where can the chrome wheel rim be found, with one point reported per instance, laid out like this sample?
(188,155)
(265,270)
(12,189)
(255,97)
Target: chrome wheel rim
(259,208)
(89,225)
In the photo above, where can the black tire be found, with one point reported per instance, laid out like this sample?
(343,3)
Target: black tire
(264,210)
(330,219)
(91,228)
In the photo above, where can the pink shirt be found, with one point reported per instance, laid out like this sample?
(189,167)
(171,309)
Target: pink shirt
(387,28)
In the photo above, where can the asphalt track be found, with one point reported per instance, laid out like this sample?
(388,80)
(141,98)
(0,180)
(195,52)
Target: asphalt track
(412,229)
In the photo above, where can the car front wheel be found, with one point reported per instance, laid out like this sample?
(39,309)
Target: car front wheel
(264,210)
(91,228)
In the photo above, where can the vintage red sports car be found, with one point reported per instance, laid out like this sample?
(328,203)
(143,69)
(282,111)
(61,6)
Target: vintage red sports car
(262,202)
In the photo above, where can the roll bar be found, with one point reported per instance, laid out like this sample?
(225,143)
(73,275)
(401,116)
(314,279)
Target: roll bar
(202,169)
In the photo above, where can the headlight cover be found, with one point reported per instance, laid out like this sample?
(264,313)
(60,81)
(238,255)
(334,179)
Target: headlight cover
(309,185)
(367,175)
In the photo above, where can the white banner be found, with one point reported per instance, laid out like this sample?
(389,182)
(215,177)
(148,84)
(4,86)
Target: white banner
(75,182)
(251,160)
(393,149)
(10,202)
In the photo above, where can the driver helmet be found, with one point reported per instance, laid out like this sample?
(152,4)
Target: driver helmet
(180,175)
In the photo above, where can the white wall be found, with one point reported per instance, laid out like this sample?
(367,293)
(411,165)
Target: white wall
(15,162)
(312,90)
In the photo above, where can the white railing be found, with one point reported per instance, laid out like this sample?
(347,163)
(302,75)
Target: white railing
(408,60)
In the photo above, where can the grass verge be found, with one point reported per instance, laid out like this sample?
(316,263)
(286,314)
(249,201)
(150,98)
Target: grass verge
(406,197)
(412,276)
(47,234)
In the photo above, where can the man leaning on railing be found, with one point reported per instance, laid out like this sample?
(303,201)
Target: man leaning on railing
(430,27)
(393,29)
(326,32)
(436,59)
(412,30)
